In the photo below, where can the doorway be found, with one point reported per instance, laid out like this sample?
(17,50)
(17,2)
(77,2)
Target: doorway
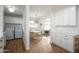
(40,26)
(13,28)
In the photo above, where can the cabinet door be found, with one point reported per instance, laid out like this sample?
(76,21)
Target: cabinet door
(63,41)
(60,40)
(70,16)
(57,38)
(70,44)
(53,38)
(66,16)
(59,17)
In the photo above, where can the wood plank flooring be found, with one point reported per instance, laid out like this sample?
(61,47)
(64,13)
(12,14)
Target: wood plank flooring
(15,46)
(36,46)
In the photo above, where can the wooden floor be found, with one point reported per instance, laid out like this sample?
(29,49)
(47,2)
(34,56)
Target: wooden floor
(14,46)
(37,46)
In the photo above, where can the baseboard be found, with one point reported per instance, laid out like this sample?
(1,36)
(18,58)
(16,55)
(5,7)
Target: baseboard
(60,47)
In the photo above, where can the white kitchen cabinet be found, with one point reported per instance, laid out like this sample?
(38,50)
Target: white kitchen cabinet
(53,39)
(70,43)
(56,38)
(59,39)
(59,17)
(66,16)
(67,42)
(64,41)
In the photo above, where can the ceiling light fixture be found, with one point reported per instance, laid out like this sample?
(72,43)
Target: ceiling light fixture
(11,9)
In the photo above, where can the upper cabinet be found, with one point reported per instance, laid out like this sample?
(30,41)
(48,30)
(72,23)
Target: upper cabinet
(66,16)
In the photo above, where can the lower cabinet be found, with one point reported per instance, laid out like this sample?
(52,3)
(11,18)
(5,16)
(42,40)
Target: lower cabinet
(70,43)
(53,38)
(64,41)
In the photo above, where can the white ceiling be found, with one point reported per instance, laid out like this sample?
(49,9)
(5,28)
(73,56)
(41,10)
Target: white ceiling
(35,10)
